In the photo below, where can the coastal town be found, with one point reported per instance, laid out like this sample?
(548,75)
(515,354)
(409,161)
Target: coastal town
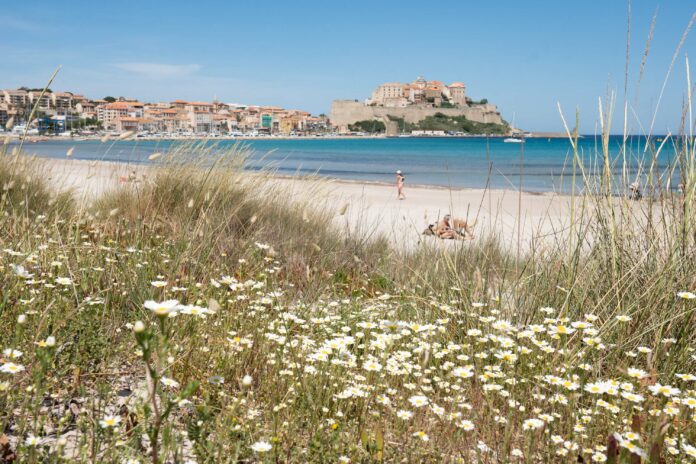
(419,108)
(66,113)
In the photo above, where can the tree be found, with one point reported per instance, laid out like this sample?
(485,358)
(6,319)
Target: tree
(110,99)
(370,126)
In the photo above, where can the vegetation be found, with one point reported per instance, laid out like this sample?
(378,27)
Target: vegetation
(371,126)
(442,122)
(200,315)
(84,123)
(110,99)
(190,317)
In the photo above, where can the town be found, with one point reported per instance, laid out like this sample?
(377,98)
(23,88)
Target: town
(67,113)
(418,108)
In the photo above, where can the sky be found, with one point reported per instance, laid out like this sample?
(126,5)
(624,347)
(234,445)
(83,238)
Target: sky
(525,57)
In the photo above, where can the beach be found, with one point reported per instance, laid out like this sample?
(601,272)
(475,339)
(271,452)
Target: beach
(516,219)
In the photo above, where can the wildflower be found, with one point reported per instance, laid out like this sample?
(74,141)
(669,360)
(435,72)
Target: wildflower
(636,373)
(166,381)
(422,435)
(247,380)
(162,309)
(21,272)
(632,448)
(110,421)
(193,310)
(599,457)
(372,366)
(64,281)
(561,329)
(686,295)
(623,318)
(261,446)
(404,415)
(12,353)
(462,372)
(466,425)
(632,397)
(596,388)
(517,453)
(49,342)
(158,283)
(138,327)
(21,319)
(418,401)
(689,450)
(532,424)
(664,390)
(11,368)
(32,440)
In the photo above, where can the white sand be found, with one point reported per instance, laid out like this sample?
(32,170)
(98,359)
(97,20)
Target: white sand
(371,208)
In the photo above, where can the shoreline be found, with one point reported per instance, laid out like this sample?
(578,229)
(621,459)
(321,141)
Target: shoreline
(312,177)
(516,219)
(115,137)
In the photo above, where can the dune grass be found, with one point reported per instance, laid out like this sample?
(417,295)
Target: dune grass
(204,315)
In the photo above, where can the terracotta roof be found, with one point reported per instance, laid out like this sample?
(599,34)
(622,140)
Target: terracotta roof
(118,106)
(129,119)
(457,85)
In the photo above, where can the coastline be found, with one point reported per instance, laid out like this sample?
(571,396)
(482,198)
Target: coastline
(112,137)
(517,219)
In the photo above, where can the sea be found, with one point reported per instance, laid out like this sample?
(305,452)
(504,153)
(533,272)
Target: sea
(537,165)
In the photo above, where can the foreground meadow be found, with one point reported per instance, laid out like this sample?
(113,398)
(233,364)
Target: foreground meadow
(187,320)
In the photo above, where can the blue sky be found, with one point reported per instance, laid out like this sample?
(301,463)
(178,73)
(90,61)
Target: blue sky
(523,56)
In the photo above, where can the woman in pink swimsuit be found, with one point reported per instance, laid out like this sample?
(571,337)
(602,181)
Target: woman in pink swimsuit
(400,185)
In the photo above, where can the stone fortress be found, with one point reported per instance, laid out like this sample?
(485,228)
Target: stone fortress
(412,102)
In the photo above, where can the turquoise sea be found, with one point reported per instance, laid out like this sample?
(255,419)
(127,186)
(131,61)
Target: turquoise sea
(538,165)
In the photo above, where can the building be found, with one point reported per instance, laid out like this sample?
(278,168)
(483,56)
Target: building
(4,114)
(16,98)
(201,121)
(40,102)
(418,92)
(135,124)
(109,112)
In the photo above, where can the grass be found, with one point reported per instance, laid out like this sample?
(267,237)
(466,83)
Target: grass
(205,315)
(293,342)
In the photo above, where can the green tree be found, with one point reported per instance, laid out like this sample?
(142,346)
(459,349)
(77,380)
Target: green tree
(110,99)
(372,126)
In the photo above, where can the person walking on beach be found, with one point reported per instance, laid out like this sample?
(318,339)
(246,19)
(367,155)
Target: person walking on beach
(400,179)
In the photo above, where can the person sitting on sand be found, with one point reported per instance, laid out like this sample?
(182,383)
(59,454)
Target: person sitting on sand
(444,228)
(635,193)
(400,179)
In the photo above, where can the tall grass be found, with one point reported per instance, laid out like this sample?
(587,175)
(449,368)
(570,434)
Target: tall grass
(292,340)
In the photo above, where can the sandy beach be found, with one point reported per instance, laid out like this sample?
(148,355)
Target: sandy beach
(524,220)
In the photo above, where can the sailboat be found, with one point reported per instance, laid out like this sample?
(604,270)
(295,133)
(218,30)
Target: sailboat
(513,139)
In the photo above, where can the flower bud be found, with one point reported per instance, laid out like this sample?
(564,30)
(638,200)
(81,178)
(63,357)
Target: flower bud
(138,327)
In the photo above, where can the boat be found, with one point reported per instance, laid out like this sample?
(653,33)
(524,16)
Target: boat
(512,140)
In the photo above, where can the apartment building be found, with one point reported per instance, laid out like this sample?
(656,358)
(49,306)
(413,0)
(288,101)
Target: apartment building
(109,112)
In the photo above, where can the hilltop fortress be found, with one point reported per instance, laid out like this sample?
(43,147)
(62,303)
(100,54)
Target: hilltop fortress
(412,103)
